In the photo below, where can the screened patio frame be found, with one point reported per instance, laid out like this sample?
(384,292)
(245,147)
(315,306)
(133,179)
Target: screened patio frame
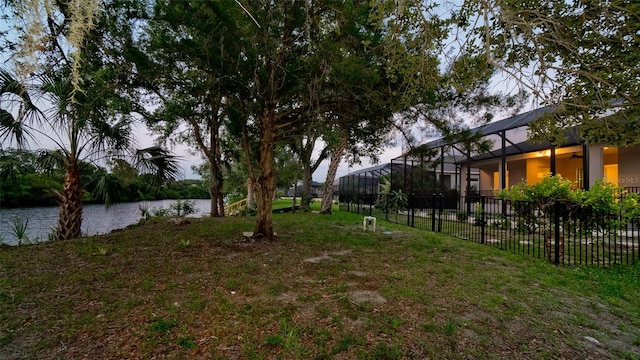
(505,135)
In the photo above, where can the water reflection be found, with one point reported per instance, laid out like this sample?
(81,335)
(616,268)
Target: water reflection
(96,219)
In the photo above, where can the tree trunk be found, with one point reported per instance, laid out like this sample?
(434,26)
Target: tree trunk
(216,165)
(221,205)
(217,201)
(212,191)
(216,180)
(336,157)
(306,188)
(70,218)
(251,192)
(266,180)
(305,151)
(215,188)
(213,155)
(295,193)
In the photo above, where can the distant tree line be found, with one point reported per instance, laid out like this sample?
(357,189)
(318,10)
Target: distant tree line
(25,182)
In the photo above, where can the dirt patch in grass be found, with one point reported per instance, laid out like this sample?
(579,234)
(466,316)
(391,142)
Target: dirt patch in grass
(362,297)
(193,291)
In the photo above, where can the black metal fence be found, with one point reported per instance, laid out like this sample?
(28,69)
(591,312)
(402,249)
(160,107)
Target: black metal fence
(557,234)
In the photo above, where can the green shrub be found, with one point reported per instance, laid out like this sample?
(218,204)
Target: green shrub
(19,230)
(604,207)
(180,208)
(478,215)
(398,200)
(630,208)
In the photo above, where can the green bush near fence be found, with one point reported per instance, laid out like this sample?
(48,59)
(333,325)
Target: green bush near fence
(603,207)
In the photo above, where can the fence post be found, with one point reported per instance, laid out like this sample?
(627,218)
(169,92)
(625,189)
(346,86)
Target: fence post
(413,209)
(386,207)
(482,218)
(556,230)
(408,209)
(433,212)
(440,210)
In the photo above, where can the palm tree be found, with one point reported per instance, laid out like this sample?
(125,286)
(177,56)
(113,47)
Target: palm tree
(86,126)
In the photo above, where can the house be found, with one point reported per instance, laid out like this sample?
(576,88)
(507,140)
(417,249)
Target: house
(440,166)
(408,175)
(316,190)
(423,173)
(513,159)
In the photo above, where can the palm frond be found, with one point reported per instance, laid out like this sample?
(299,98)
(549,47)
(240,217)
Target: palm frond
(107,187)
(15,127)
(115,137)
(8,84)
(51,160)
(58,92)
(159,162)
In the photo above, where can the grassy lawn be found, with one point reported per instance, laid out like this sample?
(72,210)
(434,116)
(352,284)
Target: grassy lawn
(284,202)
(326,289)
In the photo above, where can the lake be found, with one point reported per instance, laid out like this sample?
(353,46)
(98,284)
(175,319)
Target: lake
(96,219)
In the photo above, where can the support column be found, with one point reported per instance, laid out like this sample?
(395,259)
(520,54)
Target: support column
(502,175)
(463,181)
(503,162)
(441,168)
(485,178)
(596,163)
(404,185)
(456,179)
(467,179)
(585,167)
(552,159)
(412,171)
(391,176)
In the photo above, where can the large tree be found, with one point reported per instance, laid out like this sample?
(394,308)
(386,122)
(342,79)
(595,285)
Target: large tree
(192,52)
(579,56)
(433,90)
(82,132)
(351,143)
(305,63)
(304,146)
(348,66)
